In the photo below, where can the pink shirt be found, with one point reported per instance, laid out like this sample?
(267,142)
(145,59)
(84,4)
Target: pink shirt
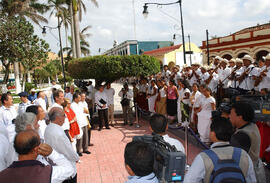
(171,93)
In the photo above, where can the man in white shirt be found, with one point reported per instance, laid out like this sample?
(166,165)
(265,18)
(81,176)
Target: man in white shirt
(101,101)
(56,86)
(110,92)
(195,75)
(41,100)
(25,102)
(159,125)
(126,95)
(205,75)
(166,73)
(28,145)
(29,121)
(68,94)
(57,139)
(82,144)
(58,97)
(223,73)
(263,78)
(203,165)
(246,82)
(8,114)
(84,106)
(4,147)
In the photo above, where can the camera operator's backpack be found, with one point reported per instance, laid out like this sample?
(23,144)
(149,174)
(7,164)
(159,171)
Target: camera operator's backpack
(227,170)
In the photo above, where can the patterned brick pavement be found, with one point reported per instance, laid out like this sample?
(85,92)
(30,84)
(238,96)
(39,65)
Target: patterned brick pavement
(105,164)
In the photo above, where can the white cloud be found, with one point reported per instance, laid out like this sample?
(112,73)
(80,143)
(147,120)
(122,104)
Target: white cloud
(105,33)
(253,7)
(113,20)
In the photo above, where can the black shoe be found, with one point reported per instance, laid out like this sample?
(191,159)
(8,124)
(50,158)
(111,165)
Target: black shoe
(130,124)
(90,144)
(87,152)
(80,154)
(99,129)
(108,128)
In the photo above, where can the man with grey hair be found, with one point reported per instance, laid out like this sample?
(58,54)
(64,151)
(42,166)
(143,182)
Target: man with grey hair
(29,121)
(55,136)
(25,121)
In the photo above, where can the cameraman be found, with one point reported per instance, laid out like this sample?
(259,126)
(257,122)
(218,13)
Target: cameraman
(159,125)
(126,95)
(203,167)
(139,162)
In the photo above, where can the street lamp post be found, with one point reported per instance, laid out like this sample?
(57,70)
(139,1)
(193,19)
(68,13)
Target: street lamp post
(61,48)
(145,13)
(207,45)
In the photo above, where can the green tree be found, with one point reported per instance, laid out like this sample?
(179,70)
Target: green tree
(19,44)
(111,68)
(31,9)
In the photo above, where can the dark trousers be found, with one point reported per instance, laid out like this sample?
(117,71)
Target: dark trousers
(83,142)
(103,116)
(72,180)
(91,116)
(127,114)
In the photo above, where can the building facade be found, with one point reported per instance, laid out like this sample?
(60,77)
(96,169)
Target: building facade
(134,47)
(173,55)
(254,41)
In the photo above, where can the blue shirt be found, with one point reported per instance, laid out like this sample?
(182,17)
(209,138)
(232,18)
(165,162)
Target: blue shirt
(151,178)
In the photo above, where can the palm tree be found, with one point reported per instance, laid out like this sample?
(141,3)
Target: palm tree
(83,45)
(60,10)
(77,7)
(28,8)
(84,34)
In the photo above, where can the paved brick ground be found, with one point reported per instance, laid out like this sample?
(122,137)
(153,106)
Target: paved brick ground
(105,164)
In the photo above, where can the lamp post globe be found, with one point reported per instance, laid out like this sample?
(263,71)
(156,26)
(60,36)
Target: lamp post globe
(145,11)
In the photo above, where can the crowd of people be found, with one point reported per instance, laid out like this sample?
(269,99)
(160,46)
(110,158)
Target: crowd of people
(48,139)
(191,93)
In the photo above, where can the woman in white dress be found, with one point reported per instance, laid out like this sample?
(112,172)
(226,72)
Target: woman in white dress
(204,115)
(151,96)
(181,94)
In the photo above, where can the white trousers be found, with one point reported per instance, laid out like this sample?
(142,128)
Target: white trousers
(179,112)
(151,103)
(204,122)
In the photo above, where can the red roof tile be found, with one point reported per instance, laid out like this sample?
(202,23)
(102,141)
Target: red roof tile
(162,50)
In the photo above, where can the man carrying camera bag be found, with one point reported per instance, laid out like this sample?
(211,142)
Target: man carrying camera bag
(126,95)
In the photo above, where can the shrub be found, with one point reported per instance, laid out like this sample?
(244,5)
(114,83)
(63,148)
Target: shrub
(111,68)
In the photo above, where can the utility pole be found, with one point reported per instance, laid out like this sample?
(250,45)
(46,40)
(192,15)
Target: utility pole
(207,44)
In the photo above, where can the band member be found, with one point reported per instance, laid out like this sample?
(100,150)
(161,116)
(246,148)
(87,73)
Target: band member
(263,79)
(246,81)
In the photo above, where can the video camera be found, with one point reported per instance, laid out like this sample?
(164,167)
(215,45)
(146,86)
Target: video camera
(260,104)
(224,107)
(169,164)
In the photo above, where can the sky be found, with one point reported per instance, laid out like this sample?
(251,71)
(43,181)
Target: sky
(114,20)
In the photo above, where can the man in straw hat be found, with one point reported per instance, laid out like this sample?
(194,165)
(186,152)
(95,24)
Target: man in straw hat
(246,82)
